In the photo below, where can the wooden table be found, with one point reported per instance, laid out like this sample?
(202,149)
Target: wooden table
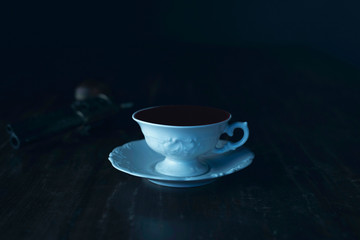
(303,113)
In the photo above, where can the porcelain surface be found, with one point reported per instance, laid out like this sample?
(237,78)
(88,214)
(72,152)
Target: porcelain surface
(184,146)
(137,159)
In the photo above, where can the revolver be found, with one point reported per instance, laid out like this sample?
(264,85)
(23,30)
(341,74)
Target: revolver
(84,112)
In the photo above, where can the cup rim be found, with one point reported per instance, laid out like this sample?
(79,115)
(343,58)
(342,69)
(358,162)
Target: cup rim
(177,126)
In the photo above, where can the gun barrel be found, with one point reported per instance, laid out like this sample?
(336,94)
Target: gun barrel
(85,112)
(43,126)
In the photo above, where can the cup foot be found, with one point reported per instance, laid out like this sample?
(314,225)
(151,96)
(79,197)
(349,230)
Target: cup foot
(181,168)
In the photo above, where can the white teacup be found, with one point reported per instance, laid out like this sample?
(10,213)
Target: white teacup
(183,133)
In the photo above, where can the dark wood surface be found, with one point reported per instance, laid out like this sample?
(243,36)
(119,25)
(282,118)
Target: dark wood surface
(303,113)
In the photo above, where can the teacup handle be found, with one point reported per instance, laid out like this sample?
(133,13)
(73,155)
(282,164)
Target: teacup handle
(229,130)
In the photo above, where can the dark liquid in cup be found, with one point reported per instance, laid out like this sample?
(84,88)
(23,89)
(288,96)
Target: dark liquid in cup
(182,115)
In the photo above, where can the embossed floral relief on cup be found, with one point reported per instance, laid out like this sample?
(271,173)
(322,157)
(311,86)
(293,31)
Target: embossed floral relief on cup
(180,147)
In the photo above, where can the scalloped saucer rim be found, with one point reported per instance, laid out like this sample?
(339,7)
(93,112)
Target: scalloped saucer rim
(129,157)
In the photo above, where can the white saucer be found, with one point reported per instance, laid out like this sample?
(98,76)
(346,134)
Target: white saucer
(137,159)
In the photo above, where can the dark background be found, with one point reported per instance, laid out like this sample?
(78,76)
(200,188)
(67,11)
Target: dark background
(289,68)
(330,26)
(49,48)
